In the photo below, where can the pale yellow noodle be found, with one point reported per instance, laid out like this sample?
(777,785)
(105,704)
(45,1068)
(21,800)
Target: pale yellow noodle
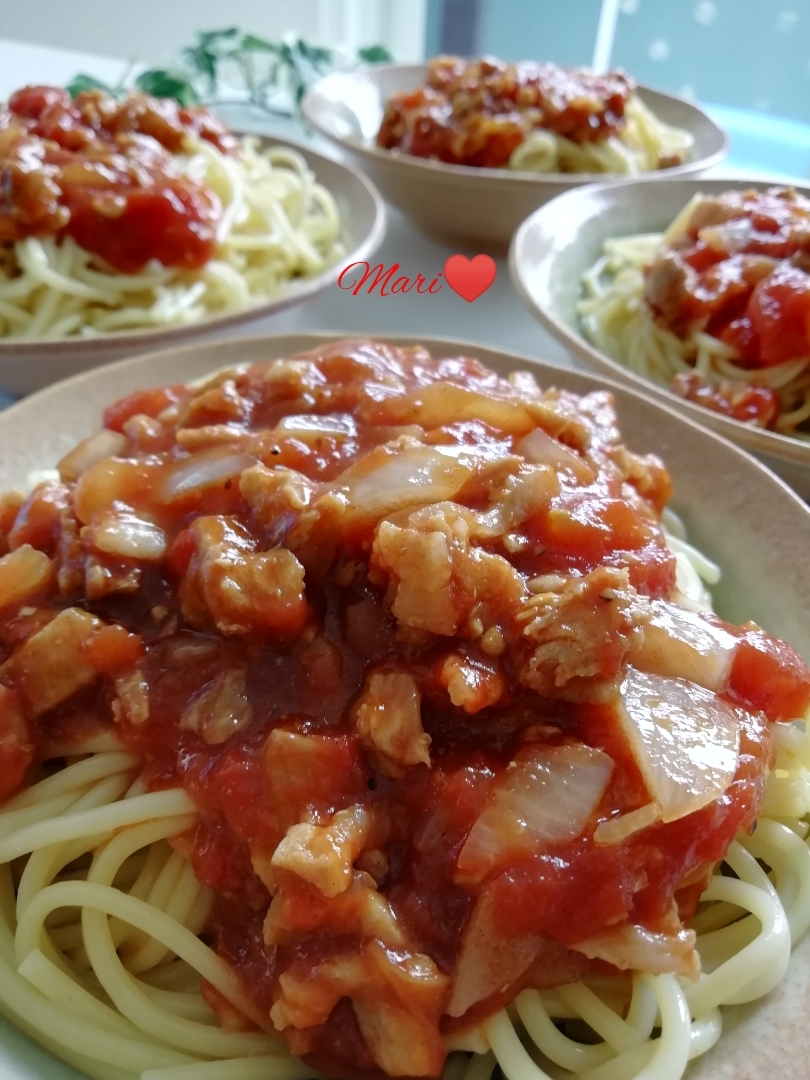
(618,322)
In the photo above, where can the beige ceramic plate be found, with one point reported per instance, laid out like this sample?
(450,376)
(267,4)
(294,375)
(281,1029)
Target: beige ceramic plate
(458,203)
(559,242)
(30,365)
(735,510)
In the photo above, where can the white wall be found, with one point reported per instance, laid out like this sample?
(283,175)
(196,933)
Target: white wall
(153,30)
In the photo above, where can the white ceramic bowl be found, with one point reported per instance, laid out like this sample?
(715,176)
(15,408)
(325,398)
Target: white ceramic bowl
(556,245)
(458,203)
(735,510)
(29,365)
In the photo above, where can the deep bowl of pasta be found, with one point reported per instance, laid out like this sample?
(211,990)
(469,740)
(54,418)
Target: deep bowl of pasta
(469,148)
(126,224)
(690,290)
(365,711)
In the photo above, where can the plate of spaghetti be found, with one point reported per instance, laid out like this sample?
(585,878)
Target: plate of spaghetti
(692,292)
(364,712)
(128,222)
(469,147)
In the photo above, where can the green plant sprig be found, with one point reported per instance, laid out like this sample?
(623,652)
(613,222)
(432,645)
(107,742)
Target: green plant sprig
(264,67)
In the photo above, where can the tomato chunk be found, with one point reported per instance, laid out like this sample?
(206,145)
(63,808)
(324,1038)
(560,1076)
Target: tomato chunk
(769,675)
(592,527)
(31,101)
(174,223)
(780,314)
(145,402)
(113,647)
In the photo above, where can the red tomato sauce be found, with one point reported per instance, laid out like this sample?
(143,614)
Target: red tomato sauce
(740,271)
(263,640)
(478,112)
(99,170)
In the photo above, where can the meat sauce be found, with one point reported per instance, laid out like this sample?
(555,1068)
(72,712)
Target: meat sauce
(102,172)
(356,604)
(478,112)
(740,271)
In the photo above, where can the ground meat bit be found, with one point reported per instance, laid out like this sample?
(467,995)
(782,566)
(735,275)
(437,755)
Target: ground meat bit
(220,710)
(132,698)
(238,589)
(324,855)
(437,580)
(668,285)
(52,665)
(579,627)
(389,724)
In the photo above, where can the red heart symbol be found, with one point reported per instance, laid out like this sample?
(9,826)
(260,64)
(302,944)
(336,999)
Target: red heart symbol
(470,277)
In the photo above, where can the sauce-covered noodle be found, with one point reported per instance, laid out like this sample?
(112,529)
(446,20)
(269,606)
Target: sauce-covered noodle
(716,308)
(532,118)
(119,215)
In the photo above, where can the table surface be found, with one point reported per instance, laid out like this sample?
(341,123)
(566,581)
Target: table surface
(499,318)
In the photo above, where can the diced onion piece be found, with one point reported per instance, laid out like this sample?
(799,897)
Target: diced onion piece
(680,222)
(488,959)
(546,796)
(539,448)
(685,740)
(619,828)
(634,948)
(309,426)
(120,532)
(104,443)
(115,480)
(392,478)
(443,403)
(681,643)
(203,470)
(24,572)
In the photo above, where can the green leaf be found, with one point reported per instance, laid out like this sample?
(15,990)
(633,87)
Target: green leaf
(256,44)
(211,37)
(374,54)
(79,83)
(202,60)
(166,84)
(316,54)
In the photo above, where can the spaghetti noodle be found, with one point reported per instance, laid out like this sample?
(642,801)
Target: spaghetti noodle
(114,954)
(270,222)
(711,354)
